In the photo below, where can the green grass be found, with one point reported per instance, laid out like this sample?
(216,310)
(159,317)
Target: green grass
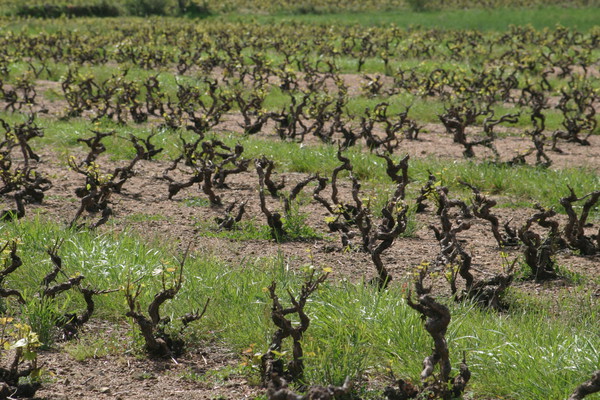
(90,345)
(501,353)
(196,202)
(294,224)
(42,315)
(501,19)
(214,376)
(541,348)
(92,255)
(144,217)
(523,183)
(426,110)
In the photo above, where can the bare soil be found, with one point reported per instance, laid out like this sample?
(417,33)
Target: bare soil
(207,373)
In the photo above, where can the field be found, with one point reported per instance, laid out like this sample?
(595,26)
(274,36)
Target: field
(293,200)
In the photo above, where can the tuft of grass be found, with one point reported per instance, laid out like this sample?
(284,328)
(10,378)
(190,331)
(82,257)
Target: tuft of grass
(215,376)
(91,346)
(294,223)
(42,315)
(196,202)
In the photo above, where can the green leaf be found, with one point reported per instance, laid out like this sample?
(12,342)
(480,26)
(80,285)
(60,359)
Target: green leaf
(29,355)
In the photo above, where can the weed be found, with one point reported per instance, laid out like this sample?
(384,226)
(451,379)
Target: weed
(42,315)
(196,202)
(295,226)
(573,277)
(90,346)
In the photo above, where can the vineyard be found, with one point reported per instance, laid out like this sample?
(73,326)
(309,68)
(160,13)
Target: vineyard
(260,200)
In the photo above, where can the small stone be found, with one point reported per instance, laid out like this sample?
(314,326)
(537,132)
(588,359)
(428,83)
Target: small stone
(104,389)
